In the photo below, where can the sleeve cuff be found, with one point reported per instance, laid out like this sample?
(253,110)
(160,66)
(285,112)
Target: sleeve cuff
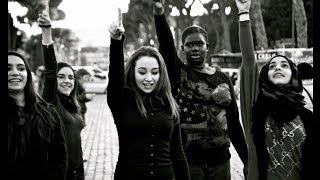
(244,17)
(47,44)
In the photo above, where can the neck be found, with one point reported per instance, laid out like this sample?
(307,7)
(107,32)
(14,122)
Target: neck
(19,98)
(200,67)
(203,69)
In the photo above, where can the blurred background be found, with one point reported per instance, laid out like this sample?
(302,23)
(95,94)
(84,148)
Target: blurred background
(80,29)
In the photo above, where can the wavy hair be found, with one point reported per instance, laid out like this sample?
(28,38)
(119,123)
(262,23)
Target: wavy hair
(41,118)
(163,87)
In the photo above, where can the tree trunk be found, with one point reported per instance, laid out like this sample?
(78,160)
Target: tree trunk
(300,20)
(225,40)
(258,25)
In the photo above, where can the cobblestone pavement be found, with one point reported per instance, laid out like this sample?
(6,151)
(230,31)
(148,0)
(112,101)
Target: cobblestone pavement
(100,143)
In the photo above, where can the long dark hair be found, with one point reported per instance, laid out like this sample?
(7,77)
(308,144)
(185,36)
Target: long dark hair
(163,87)
(40,117)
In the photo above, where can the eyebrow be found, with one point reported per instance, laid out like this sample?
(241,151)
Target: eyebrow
(192,42)
(10,64)
(284,61)
(146,68)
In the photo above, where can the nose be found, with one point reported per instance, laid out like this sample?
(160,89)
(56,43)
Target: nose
(278,67)
(195,47)
(148,77)
(14,72)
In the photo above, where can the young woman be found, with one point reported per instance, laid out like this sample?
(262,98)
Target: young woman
(272,102)
(36,137)
(59,89)
(145,113)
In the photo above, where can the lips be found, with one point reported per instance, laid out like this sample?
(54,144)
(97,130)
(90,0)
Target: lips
(278,75)
(15,80)
(195,55)
(147,86)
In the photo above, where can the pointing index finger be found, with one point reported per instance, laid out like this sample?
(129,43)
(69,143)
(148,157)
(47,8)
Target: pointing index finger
(119,16)
(46,7)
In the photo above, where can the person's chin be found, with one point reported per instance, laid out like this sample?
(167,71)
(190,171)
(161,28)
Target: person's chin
(195,62)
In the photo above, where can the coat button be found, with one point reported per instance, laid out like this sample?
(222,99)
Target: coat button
(151,154)
(152,114)
(151,172)
(151,145)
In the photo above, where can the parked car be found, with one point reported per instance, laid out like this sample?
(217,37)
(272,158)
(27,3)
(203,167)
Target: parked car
(98,81)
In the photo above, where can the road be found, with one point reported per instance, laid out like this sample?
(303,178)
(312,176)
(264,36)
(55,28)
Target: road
(101,148)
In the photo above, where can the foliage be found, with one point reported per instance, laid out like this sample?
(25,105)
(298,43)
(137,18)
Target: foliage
(35,6)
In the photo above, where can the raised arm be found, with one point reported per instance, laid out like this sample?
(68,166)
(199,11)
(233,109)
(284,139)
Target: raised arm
(249,69)
(249,76)
(166,42)
(50,62)
(116,67)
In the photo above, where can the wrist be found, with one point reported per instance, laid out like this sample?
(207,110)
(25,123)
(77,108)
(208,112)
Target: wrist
(244,16)
(116,37)
(243,12)
(158,11)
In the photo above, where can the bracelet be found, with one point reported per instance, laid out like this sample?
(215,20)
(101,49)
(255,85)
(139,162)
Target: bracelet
(244,12)
(45,26)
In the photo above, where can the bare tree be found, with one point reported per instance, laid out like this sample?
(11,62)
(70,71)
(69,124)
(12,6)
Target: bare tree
(300,20)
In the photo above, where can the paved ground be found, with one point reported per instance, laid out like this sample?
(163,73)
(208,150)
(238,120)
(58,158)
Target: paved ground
(100,143)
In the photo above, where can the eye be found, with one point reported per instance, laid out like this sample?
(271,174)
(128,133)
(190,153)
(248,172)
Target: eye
(272,66)
(199,44)
(285,65)
(71,77)
(142,72)
(155,72)
(60,76)
(21,68)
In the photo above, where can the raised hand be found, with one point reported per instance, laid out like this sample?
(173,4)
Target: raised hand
(158,7)
(44,18)
(243,5)
(116,29)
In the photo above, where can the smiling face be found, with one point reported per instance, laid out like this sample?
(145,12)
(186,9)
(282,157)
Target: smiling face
(146,72)
(66,80)
(17,74)
(195,49)
(279,71)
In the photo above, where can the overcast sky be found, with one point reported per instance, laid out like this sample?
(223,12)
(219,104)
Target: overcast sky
(88,19)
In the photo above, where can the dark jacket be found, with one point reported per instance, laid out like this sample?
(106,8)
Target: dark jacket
(35,157)
(209,112)
(72,120)
(150,148)
(249,91)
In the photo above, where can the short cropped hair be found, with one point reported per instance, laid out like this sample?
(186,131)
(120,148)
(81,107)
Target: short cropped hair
(194,29)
